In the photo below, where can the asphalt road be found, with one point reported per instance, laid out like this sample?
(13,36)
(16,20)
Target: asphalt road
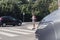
(17,32)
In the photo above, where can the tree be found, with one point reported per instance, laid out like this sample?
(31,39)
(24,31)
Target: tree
(9,7)
(15,8)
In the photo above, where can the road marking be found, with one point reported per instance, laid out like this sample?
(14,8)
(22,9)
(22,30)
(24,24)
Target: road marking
(8,34)
(23,30)
(18,32)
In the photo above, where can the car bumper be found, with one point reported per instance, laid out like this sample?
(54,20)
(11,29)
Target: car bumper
(37,35)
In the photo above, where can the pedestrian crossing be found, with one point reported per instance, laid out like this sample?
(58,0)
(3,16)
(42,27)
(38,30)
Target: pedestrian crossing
(13,32)
(8,34)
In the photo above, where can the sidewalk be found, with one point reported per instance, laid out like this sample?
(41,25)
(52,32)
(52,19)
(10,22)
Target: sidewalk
(30,26)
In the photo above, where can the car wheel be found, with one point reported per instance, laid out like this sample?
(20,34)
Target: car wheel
(19,24)
(3,25)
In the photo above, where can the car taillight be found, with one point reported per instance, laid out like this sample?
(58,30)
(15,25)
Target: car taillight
(0,18)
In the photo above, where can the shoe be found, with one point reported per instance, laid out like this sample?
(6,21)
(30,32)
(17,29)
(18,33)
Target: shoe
(33,28)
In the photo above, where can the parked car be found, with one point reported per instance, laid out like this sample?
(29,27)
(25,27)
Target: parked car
(49,27)
(8,20)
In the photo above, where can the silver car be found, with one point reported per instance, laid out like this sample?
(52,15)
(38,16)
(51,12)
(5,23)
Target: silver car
(49,27)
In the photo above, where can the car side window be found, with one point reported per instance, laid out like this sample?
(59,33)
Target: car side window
(6,19)
(11,18)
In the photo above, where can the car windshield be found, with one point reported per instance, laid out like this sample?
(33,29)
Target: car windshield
(9,17)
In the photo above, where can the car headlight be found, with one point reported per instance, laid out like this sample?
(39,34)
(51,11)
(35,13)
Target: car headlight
(42,26)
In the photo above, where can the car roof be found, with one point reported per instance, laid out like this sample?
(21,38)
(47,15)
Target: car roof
(54,16)
(6,16)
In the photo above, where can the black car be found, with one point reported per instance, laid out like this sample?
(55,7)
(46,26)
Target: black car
(49,27)
(8,20)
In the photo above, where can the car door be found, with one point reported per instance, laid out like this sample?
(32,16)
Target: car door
(12,21)
(8,20)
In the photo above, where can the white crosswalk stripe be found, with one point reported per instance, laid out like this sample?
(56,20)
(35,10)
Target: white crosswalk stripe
(8,34)
(12,32)
(15,31)
(31,31)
